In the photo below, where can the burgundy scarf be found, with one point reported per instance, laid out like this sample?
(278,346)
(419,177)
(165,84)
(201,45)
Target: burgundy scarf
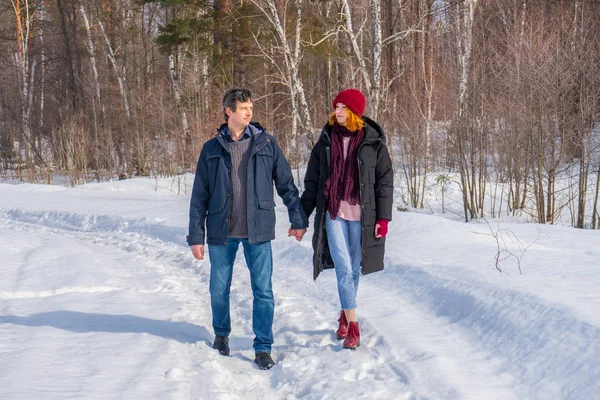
(343,183)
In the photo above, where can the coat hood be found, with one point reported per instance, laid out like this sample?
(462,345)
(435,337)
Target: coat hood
(373,132)
(255,128)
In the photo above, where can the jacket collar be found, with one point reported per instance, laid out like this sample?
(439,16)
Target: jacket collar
(373,132)
(257,133)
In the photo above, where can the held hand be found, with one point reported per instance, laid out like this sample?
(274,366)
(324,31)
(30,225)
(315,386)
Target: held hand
(300,234)
(297,233)
(293,232)
(198,251)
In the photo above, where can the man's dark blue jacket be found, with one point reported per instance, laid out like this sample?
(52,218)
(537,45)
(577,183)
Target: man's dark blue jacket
(210,196)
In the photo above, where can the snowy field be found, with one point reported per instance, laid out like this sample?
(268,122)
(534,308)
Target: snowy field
(101,299)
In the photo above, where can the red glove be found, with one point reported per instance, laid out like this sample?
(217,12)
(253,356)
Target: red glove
(383,227)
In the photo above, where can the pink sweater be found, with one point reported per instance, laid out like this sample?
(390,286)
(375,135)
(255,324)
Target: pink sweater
(348,212)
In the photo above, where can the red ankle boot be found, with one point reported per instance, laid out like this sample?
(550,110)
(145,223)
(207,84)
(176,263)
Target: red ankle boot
(353,338)
(343,328)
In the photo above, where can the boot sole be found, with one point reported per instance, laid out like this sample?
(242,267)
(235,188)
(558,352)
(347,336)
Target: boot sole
(224,352)
(340,337)
(352,347)
(262,367)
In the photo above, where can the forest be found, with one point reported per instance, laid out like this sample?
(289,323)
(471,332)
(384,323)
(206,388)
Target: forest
(498,97)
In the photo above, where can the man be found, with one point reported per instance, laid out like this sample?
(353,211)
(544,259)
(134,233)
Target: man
(233,195)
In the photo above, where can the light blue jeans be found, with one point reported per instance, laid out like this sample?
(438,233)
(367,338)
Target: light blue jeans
(259,259)
(346,252)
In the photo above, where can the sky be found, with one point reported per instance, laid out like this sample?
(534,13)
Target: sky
(101,298)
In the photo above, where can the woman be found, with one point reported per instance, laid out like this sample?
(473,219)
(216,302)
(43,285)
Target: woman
(349,180)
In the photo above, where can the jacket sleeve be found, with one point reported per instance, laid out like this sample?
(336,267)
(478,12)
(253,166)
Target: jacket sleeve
(384,184)
(311,181)
(286,189)
(199,201)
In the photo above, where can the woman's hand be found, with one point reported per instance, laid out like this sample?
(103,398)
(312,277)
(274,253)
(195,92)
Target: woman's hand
(297,233)
(381,228)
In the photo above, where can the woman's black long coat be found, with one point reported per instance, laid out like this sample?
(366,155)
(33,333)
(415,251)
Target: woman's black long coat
(376,196)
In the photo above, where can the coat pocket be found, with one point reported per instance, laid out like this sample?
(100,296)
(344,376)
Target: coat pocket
(370,203)
(215,207)
(371,174)
(266,204)
(216,228)
(263,173)
(216,166)
(266,217)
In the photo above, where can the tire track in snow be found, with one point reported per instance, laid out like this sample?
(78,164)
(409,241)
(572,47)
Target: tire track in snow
(485,319)
(302,334)
(407,362)
(57,292)
(182,279)
(519,346)
(544,349)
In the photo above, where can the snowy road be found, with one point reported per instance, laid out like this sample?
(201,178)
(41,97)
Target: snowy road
(101,299)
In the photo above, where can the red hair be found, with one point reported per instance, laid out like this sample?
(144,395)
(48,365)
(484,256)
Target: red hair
(353,122)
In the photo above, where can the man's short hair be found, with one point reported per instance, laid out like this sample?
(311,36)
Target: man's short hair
(232,96)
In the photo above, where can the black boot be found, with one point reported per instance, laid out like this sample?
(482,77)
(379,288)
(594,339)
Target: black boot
(264,360)
(221,343)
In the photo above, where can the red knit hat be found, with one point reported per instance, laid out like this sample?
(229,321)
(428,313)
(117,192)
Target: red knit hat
(353,99)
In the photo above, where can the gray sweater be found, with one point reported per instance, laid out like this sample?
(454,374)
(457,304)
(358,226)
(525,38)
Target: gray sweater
(238,220)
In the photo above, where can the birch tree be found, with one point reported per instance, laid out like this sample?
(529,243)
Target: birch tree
(376,56)
(358,53)
(292,52)
(25,67)
(595,212)
(463,18)
(92,50)
(371,69)
(118,69)
(465,12)
(174,75)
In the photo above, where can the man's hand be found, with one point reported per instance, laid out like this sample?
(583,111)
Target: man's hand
(297,233)
(198,251)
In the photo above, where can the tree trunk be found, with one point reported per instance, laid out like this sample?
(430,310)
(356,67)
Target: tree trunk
(464,16)
(377,50)
(292,58)
(582,194)
(356,48)
(72,88)
(25,71)
(595,213)
(119,72)
(92,50)
(174,75)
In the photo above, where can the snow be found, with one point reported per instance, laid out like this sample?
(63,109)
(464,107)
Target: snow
(101,298)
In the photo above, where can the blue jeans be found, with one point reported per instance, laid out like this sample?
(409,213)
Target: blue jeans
(346,252)
(259,259)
